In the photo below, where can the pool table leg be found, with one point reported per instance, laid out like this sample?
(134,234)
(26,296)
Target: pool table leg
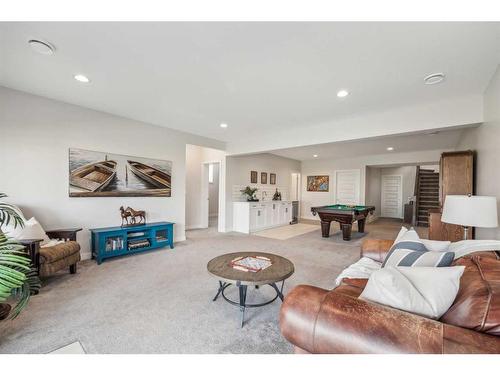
(325,228)
(346,231)
(361,225)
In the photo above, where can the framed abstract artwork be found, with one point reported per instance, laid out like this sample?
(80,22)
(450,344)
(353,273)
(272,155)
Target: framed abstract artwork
(263,178)
(272,178)
(318,183)
(254,177)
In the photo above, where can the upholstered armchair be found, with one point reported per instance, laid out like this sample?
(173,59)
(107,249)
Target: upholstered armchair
(49,260)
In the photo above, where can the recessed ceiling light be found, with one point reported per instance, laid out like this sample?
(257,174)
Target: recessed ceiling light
(82,78)
(223,125)
(390,148)
(434,78)
(342,93)
(315,156)
(41,46)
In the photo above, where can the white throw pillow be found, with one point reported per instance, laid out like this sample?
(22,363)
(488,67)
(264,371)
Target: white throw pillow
(401,233)
(433,245)
(32,231)
(425,291)
(408,235)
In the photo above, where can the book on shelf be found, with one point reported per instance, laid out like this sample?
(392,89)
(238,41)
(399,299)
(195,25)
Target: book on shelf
(138,244)
(114,244)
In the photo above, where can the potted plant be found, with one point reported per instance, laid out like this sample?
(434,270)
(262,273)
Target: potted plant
(250,193)
(18,280)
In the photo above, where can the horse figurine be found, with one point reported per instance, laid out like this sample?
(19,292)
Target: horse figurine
(134,214)
(125,215)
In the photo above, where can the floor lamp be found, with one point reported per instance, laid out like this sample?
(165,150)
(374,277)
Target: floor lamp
(470,211)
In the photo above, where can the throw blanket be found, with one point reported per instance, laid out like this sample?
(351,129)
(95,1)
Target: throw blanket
(364,267)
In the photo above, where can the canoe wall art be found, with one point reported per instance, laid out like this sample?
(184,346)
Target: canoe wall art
(100,174)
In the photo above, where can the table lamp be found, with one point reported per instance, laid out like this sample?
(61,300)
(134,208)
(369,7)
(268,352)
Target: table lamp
(470,211)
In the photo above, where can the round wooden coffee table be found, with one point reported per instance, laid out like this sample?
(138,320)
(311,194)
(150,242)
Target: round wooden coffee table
(220,267)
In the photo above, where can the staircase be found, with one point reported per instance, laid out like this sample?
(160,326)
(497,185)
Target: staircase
(427,195)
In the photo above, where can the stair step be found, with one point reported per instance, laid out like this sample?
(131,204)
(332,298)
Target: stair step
(428,198)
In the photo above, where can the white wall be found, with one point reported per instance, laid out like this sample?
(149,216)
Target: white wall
(35,136)
(213,193)
(373,190)
(329,166)
(238,176)
(485,141)
(195,157)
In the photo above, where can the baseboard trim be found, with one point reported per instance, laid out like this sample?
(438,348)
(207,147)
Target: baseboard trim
(198,226)
(86,255)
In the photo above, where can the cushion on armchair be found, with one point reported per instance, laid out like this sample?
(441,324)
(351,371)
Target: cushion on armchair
(57,252)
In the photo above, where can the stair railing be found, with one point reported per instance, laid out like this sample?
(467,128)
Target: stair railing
(417,195)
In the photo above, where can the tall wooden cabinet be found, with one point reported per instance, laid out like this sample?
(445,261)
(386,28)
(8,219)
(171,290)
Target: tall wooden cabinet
(456,177)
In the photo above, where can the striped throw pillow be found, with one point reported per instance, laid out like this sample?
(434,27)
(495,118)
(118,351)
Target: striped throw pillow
(414,254)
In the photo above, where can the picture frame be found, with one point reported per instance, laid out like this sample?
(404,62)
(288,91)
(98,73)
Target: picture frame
(104,174)
(263,178)
(318,183)
(272,178)
(254,176)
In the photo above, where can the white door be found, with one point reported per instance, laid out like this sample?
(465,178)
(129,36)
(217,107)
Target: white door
(392,196)
(347,186)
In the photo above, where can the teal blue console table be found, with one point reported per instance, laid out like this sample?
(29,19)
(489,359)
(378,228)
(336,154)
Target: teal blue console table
(116,241)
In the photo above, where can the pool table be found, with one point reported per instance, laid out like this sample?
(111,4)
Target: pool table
(345,215)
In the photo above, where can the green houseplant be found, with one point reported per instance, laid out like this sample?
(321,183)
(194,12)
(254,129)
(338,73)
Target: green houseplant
(18,280)
(250,193)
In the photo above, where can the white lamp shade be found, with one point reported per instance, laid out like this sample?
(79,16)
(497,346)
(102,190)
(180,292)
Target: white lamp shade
(470,211)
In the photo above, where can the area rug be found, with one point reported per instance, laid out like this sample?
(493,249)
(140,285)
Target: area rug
(288,231)
(73,348)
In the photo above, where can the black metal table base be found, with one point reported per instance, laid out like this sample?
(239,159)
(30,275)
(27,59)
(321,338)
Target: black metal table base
(243,296)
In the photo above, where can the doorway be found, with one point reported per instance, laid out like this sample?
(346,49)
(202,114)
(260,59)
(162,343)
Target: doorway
(211,197)
(392,196)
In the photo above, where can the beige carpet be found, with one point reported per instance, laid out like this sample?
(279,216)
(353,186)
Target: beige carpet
(288,231)
(161,301)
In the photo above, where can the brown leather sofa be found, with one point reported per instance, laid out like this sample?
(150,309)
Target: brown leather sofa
(316,320)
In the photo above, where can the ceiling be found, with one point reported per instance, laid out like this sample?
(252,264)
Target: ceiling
(256,77)
(442,140)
